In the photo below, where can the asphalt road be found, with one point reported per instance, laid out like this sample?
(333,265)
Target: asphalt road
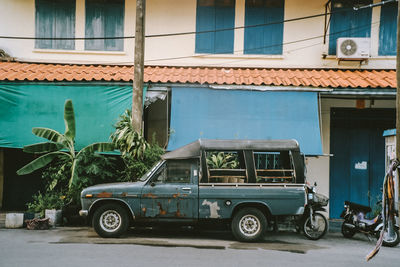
(67,246)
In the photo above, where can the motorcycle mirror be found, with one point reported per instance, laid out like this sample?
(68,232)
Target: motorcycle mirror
(315,183)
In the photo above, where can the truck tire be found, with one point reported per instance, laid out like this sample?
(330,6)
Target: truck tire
(110,220)
(249,225)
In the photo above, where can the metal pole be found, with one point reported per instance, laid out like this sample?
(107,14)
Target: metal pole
(397,95)
(137,96)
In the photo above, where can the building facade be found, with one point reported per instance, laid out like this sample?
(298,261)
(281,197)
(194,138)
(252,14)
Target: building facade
(320,72)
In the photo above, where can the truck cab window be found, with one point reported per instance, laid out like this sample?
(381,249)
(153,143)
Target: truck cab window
(174,172)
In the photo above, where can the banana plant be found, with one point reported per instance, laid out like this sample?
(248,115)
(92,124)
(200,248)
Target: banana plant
(127,139)
(222,160)
(60,146)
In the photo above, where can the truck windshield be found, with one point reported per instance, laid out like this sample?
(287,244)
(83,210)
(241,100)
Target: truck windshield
(150,172)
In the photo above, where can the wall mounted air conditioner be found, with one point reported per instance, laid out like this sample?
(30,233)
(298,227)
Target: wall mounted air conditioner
(352,48)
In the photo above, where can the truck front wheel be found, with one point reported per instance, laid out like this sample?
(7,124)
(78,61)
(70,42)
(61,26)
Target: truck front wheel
(249,225)
(110,220)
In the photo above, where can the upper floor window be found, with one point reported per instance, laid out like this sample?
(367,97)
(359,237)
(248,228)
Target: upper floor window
(217,19)
(388,30)
(347,22)
(55,19)
(104,18)
(268,37)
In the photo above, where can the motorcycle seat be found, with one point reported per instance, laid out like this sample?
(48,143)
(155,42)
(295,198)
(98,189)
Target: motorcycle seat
(369,222)
(358,207)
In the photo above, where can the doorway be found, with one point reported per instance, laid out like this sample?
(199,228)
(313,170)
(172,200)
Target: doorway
(357,167)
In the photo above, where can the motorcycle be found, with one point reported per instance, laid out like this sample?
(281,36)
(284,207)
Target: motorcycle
(355,221)
(313,223)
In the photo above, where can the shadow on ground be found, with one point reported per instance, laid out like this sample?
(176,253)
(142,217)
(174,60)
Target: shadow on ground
(189,237)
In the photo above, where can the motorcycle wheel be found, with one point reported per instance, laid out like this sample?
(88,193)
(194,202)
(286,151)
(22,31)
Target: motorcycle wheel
(318,230)
(392,242)
(347,232)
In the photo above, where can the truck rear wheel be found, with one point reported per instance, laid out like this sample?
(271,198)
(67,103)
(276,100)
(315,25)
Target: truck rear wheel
(249,225)
(110,220)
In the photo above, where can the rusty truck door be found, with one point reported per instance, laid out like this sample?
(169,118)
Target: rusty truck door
(172,192)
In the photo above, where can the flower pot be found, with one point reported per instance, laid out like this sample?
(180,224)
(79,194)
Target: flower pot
(54,216)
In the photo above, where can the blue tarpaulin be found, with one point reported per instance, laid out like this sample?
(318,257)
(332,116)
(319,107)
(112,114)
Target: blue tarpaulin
(242,114)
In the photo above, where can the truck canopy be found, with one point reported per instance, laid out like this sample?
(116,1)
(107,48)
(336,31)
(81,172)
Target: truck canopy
(193,150)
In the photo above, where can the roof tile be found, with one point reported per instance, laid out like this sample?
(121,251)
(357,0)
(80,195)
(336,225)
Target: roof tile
(17,71)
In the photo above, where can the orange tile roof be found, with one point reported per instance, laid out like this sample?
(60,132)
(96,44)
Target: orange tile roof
(16,71)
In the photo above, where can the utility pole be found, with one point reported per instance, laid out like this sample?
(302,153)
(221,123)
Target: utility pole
(137,96)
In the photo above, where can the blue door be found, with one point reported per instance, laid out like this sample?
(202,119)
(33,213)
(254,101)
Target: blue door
(172,192)
(357,167)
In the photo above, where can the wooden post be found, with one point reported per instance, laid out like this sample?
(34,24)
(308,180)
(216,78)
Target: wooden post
(137,96)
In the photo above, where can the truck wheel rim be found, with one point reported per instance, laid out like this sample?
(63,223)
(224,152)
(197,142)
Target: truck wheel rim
(249,225)
(110,221)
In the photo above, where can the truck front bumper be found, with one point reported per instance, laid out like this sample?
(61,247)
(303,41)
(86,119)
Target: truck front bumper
(83,213)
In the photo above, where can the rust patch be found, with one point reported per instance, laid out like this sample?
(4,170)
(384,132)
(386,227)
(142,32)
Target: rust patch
(144,211)
(149,195)
(124,194)
(175,195)
(162,212)
(104,194)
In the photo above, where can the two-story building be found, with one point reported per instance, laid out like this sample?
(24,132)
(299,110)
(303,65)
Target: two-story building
(318,71)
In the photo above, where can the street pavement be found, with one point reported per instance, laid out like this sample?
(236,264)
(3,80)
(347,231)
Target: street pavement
(80,246)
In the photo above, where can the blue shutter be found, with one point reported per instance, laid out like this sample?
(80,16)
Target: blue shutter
(346,22)
(205,21)
(55,19)
(388,30)
(113,26)
(65,24)
(273,34)
(224,19)
(253,36)
(265,39)
(211,16)
(104,18)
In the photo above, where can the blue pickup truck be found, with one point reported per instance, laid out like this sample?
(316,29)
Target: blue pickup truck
(245,183)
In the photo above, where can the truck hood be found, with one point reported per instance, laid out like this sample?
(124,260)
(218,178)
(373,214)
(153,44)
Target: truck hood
(113,189)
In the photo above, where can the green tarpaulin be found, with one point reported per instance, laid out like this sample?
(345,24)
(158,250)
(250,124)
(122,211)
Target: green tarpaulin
(24,106)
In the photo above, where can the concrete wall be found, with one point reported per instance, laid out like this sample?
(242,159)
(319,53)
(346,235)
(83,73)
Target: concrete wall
(17,18)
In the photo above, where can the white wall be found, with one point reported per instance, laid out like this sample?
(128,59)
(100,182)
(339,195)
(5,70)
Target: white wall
(17,18)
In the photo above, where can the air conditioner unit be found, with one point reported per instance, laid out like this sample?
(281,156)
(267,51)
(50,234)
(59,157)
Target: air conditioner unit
(352,48)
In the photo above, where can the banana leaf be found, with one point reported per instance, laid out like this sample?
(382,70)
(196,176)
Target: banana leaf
(39,163)
(43,147)
(69,120)
(98,147)
(49,134)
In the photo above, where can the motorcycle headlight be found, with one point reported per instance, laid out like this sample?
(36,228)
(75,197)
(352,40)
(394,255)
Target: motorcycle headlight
(310,196)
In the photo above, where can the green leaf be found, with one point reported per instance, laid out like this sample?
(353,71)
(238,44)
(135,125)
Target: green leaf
(43,147)
(38,163)
(69,120)
(98,147)
(49,134)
